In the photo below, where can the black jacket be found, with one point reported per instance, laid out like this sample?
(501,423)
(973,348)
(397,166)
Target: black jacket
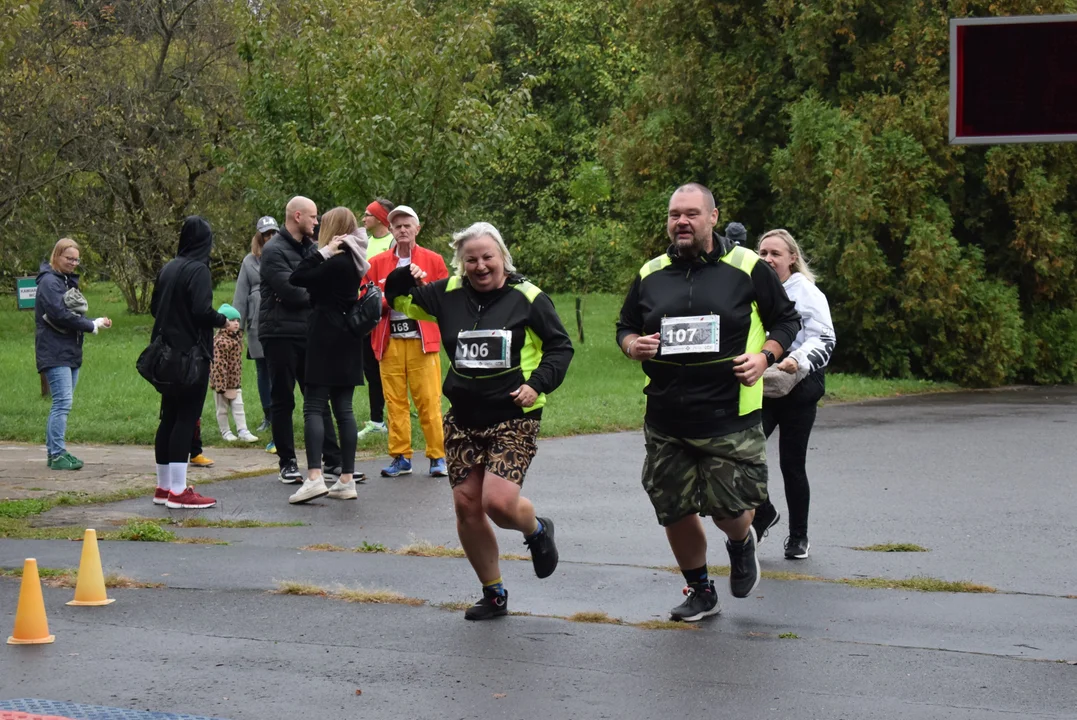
(334,355)
(540,347)
(285,308)
(188,318)
(696,395)
(59,346)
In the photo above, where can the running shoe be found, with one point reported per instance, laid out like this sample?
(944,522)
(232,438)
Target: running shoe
(743,565)
(766,517)
(493,604)
(263,426)
(202,461)
(229,436)
(271,448)
(311,490)
(399,466)
(247,436)
(289,473)
(543,550)
(160,496)
(438,468)
(700,602)
(797,547)
(189,500)
(373,428)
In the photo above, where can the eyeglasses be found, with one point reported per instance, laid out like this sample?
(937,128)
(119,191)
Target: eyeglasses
(76,261)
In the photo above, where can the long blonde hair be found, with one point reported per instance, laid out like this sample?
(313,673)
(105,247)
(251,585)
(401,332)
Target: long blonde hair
(62,245)
(338,221)
(800,265)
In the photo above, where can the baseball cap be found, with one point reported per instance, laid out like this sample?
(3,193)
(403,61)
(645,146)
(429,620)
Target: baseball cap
(267,223)
(403,210)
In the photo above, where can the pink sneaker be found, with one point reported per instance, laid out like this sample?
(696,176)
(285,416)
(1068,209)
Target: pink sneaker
(160,497)
(190,500)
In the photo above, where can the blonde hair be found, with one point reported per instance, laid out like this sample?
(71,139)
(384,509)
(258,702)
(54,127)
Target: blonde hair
(62,245)
(800,264)
(338,221)
(477,230)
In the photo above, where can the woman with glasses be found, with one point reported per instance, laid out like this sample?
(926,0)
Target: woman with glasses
(60,317)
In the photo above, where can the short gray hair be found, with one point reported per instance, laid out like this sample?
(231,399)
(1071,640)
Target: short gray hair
(471,232)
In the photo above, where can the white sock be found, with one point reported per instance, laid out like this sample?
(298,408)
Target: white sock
(164,477)
(178,472)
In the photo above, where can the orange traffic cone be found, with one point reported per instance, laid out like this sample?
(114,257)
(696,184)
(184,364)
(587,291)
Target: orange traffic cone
(90,587)
(31,625)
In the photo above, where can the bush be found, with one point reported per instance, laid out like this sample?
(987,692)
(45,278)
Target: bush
(590,259)
(1050,347)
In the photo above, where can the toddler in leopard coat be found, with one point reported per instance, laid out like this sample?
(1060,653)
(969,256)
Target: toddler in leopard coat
(225,375)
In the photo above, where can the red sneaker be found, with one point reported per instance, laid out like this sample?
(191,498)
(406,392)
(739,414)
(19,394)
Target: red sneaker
(160,497)
(190,500)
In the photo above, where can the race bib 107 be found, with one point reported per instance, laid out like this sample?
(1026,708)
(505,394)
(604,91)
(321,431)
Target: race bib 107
(485,349)
(696,334)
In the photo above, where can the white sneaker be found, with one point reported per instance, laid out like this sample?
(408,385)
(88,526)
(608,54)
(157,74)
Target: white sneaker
(342,491)
(247,436)
(373,428)
(229,436)
(311,490)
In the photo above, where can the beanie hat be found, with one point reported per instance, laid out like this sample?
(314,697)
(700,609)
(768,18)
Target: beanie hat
(228,311)
(736,233)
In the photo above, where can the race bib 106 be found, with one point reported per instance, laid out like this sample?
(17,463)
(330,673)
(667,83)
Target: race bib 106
(486,349)
(697,334)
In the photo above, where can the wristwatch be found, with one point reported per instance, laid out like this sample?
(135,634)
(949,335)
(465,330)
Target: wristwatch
(770,357)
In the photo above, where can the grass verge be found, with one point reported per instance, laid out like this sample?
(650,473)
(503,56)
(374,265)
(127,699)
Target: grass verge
(68,577)
(892,547)
(919,583)
(418,548)
(603,391)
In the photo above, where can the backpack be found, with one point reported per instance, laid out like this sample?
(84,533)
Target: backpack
(365,313)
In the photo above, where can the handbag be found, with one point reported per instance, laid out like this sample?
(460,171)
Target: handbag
(167,369)
(365,313)
(778,383)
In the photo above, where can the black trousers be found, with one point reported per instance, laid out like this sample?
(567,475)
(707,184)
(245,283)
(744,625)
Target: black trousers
(286,360)
(316,403)
(795,415)
(178,417)
(372,373)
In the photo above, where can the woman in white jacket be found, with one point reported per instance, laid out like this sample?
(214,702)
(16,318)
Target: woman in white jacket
(792,408)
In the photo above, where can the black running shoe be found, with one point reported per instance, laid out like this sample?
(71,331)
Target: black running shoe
(543,550)
(493,604)
(700,602)
(797,547)
(766,517)
(289,473)
(743,565)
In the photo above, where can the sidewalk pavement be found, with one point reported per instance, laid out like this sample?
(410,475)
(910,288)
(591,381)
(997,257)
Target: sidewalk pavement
(24,472)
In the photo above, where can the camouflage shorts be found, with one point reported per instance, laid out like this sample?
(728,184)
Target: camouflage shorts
(719,477)
(506,449)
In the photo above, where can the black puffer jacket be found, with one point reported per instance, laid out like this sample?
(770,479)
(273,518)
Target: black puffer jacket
(285,310)
(187,318)
(59,346)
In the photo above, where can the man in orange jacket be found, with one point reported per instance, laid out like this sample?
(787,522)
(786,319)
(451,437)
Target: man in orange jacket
(408,351)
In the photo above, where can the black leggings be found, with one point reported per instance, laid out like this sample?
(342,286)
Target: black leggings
(372,373)
(795,415)
(179,414)
(315,406)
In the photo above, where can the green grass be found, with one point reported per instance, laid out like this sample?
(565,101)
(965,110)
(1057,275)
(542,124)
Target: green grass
(113,405)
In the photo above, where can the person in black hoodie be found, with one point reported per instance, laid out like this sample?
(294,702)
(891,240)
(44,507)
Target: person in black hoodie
(507,348)
(60,317)
(283,318)
(332,276)
(186,322)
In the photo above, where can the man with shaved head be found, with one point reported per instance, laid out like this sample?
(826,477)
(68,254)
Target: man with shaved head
(282,327)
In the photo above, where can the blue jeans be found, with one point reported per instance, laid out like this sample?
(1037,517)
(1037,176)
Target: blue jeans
(62,381)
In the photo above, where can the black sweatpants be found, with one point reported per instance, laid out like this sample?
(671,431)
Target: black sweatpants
(175,431)
(316,403)
(372,373)
(795,415)
(286,359)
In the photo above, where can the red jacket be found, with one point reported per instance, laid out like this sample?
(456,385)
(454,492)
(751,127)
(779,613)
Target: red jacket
(384,263)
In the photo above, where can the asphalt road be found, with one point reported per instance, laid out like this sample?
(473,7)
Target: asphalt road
(984,480)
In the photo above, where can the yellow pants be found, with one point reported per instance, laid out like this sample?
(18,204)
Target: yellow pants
(404,365)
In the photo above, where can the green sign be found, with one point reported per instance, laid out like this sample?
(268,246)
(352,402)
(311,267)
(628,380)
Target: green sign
(27,287)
